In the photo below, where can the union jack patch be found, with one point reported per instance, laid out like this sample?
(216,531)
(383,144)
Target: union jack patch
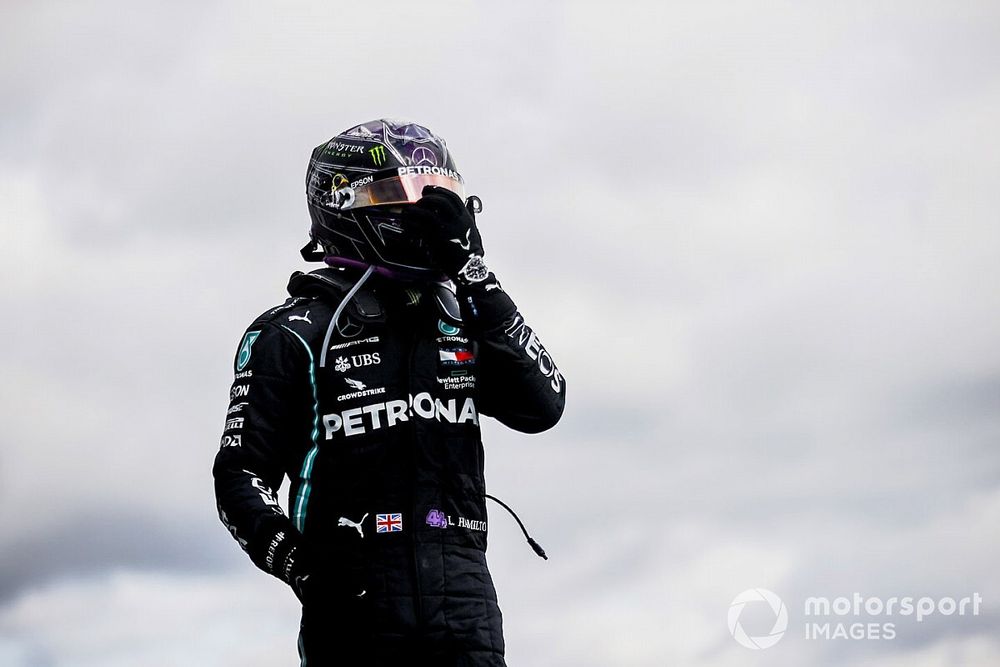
(389,523)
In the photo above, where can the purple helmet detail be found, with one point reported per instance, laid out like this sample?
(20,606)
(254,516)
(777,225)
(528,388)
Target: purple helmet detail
(335,261)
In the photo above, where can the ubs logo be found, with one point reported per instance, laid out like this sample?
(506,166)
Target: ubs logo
(343,364)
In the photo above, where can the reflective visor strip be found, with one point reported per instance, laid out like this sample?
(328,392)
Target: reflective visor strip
(302,498)
(405,189)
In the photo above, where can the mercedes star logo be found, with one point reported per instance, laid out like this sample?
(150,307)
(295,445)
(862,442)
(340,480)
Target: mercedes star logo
(421,156)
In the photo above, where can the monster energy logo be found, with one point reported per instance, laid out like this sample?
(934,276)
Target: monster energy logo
(378,155)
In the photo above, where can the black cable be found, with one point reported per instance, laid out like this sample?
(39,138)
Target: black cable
(534,545)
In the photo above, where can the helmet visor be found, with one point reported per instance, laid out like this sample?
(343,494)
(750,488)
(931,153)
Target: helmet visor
(404,185)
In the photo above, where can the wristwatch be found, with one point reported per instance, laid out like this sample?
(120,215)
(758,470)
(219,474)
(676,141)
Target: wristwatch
(474,271)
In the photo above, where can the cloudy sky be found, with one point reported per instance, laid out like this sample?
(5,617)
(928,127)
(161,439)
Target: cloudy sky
(761,240)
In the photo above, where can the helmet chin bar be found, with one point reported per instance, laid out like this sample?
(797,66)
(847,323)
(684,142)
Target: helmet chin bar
(314,251)
(344,240)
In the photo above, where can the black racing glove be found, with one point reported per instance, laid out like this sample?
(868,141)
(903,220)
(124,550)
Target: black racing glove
(283,554)
(450,228)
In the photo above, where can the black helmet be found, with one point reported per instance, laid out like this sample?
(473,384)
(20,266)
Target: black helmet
(356,186)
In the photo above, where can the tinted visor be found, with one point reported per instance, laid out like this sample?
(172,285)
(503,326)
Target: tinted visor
(404,185)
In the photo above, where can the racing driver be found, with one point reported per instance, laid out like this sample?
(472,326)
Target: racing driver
(366,388)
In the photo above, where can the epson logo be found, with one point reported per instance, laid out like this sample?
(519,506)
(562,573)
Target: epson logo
(357,421)
(239,391)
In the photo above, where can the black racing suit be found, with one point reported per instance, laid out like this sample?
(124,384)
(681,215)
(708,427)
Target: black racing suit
(382,448)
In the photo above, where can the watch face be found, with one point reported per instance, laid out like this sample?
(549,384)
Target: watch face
(475,270)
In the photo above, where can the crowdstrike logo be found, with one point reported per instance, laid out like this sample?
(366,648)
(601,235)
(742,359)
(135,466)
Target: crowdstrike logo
(360,389)
(780,618)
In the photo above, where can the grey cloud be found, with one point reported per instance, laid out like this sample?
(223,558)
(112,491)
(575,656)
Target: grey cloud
(82,544)
(963,402)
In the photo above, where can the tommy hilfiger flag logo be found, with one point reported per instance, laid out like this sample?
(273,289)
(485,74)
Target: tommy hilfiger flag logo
(456,357)
(389,523)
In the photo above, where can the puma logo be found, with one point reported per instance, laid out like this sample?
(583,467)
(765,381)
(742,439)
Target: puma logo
(304,318)
(463,246)
(344,521)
